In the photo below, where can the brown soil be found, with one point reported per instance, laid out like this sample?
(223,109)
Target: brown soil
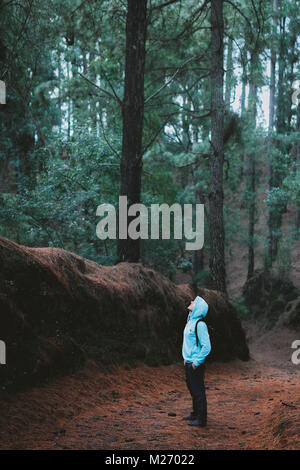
(251,405)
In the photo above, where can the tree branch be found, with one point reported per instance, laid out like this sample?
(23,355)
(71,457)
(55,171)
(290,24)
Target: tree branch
(159,7)
(102,89)
(155,135)
(162,87)
(112,88)
(107,141)
(242,14)
(181,67)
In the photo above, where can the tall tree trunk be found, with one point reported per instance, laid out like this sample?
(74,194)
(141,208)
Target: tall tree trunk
(69,103)
(269,254)
(93,102)
(60,99)
(250,184)
(243,95)
(282,105)
(293,60)
(243,101)
(216,195)
(297,159)
(132,115)
(197,255)
(229,74)
(282,128)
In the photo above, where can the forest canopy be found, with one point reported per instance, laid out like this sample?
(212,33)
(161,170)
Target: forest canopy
(204,92)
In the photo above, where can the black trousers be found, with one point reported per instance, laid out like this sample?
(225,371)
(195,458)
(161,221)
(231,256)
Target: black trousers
(195,383)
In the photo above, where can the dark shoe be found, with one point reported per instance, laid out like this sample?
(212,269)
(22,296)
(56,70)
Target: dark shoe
(190,417)
(198,422)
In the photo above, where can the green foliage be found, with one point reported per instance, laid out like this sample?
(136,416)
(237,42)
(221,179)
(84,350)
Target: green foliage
(60,209)
(61,129)
(240,306)
(277,198)
(203,278)
(284,258)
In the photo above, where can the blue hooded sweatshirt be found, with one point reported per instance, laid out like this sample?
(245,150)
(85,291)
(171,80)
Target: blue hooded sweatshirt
(190,351)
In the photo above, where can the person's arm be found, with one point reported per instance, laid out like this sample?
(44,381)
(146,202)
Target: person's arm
(204,343)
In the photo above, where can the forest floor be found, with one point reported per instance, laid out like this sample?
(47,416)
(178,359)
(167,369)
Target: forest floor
(251,405)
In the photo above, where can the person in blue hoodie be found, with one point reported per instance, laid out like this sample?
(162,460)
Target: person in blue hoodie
(194,359)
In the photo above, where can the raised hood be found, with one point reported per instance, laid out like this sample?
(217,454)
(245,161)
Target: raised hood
(200,310)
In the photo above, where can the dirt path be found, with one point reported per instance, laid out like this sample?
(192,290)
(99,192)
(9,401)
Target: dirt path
(250,405)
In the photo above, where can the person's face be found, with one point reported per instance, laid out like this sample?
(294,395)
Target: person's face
(191,306)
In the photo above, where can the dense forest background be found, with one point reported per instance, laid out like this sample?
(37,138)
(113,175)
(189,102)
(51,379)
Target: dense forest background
(62,129)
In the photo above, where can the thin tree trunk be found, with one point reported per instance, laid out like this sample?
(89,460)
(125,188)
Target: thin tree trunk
(229,65)
(243,104)
(197,255)
(216,196)
(281,127)
(69,102)
(133,114)
(93,101)
(293,61)
(251,187)
(297,158)
(60,84)
(281,114)
(269,254)
(243,95)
